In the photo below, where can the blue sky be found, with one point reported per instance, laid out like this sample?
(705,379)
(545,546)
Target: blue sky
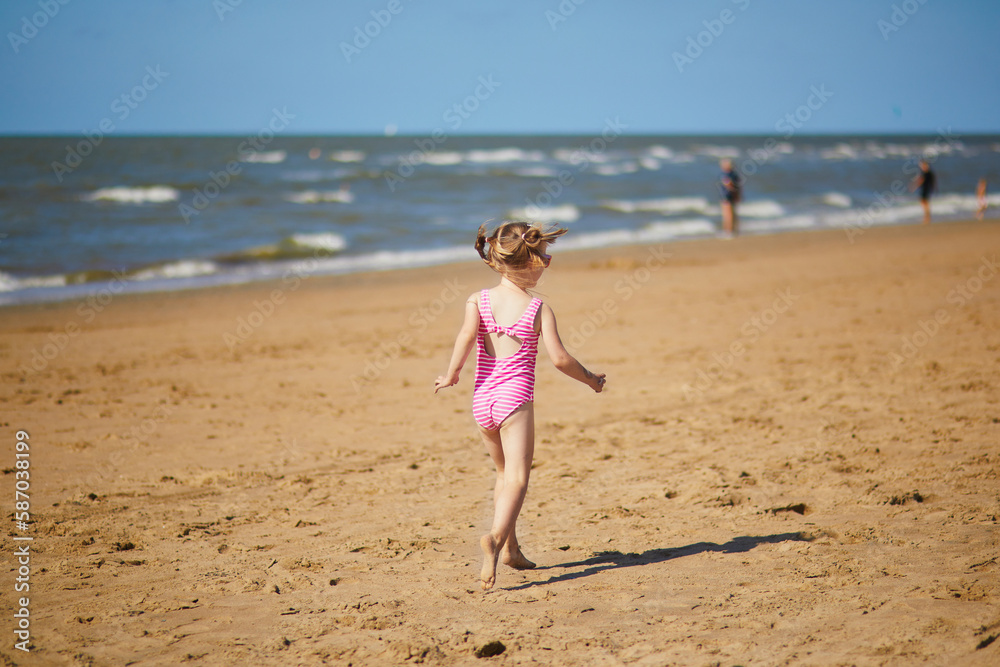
(512,67)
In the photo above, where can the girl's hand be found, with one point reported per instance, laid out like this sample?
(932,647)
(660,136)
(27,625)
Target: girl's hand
(443,382)
(596,381)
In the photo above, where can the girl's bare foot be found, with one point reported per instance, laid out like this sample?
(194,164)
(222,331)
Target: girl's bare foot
(489,572)
(516,560)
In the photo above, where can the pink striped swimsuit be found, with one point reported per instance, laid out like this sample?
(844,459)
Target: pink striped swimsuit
(504,385)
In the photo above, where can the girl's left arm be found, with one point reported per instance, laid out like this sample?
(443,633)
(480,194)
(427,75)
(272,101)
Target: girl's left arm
(463,345)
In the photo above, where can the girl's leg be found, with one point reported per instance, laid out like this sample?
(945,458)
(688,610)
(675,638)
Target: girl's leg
(512,448)
(510,551)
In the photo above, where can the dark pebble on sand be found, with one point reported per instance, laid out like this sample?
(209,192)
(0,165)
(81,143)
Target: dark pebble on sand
(490,650)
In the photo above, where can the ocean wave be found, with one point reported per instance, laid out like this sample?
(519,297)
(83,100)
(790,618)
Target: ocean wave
(504,155)
(719,152)
(322,241)
(347,156)
(316,175)
(536,172)
(154,194)
(780,224)
(839,152)
(616,169)
(668,205)
(837,199)
(761,208)
(579,156)
(562,213)
(443,158)
(266,157)
(9,283)
(293,247)
(316,197)
(185,268)
(656,231)
(660,152)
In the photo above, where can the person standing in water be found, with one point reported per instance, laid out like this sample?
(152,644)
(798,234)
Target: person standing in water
(926,183)
(981,202)
(730,189)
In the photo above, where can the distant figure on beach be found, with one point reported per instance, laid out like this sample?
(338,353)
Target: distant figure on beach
(981,203)
(730,189)
(504,324)
(926,183)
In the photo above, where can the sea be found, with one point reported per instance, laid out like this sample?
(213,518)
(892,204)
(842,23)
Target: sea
(81,214)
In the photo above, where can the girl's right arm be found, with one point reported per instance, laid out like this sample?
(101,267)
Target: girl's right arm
(463,344)
(561,357)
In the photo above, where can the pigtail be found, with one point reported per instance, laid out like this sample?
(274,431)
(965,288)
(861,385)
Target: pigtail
(481,242)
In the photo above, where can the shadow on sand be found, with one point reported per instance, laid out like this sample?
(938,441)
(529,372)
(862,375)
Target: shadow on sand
(612,560)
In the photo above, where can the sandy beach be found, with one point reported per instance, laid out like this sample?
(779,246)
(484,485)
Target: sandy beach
(795,463)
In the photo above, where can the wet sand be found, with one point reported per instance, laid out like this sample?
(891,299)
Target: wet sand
(796,462)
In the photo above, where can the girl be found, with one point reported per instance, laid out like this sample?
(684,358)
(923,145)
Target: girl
(504,324)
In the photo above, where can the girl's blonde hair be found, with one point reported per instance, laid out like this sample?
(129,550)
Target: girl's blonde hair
(515,245)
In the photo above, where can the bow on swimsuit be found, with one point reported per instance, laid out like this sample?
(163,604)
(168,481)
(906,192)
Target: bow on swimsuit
(503,385)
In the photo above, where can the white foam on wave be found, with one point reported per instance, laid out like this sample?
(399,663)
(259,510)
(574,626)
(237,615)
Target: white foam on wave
(9,283)
(347,156)
(874,215)
(321,241)
(504,155)
(762,208)
(562,213)
(185,268)
(837,199)
(719,152)
(316,197)
(839,152)
(580,156)
(442,159)
(780,224)
(154,194)
(655,231)
(660,152)
(315,175)
(266,157)
(668,205)
(616,169)
(536,172)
